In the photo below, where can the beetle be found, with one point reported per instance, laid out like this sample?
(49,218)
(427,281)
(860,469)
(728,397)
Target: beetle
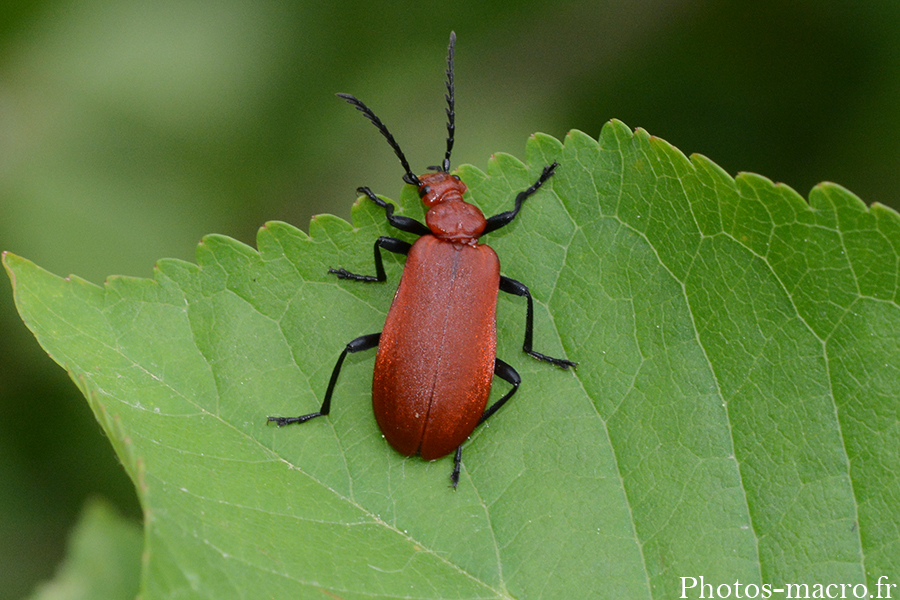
(437,352)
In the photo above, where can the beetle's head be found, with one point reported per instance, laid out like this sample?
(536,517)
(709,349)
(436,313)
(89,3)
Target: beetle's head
(440,187)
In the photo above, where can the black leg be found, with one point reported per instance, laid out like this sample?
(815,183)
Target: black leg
(406,224)
(505,218)
(457,465)
(388,243)
(363,342)
(511,286)
(505,372)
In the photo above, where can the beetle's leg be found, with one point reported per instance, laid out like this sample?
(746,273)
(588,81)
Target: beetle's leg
(505,218)
(457,465)
(505,372)
(406,224)
(511,286)
(363,342)
(388,243)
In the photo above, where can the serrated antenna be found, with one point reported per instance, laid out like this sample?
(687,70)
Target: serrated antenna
(451,115)
(409,177)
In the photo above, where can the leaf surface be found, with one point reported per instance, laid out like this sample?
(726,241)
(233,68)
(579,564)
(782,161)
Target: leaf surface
(733,415)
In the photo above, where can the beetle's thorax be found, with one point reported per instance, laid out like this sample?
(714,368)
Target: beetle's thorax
(450,217)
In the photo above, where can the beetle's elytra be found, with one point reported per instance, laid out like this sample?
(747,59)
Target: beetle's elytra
(437,353)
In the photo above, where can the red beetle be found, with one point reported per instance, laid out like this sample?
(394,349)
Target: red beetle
(437,353)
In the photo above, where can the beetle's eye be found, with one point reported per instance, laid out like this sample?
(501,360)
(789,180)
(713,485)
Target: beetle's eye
(456,177)
(424,191)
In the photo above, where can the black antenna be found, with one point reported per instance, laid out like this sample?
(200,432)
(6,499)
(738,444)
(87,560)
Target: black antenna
(409,177)
(451,115)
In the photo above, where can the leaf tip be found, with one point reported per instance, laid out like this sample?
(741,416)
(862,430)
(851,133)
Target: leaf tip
(6,257)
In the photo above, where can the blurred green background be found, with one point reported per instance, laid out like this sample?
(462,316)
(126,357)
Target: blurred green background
(129,130)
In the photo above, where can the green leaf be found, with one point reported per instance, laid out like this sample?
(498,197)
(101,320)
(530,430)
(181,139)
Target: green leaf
(733,416)
(103,560)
